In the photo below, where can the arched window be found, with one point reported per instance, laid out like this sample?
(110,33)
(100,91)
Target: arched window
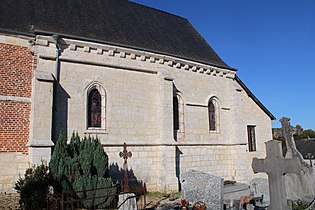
(213,112)
(175,113)
(94,109)
(212,119)
(178,117)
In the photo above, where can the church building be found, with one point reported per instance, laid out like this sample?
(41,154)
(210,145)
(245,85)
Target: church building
(125,73)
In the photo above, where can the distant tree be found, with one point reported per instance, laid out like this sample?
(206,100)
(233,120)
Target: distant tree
(298,129)
(309,133)
(306,134)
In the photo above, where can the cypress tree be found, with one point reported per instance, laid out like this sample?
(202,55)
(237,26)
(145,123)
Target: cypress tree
(83,165)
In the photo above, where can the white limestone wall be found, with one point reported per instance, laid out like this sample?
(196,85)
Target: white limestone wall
(139,91)
(251,114)
(215,160)
(148,164)
(131,103)
(12,165)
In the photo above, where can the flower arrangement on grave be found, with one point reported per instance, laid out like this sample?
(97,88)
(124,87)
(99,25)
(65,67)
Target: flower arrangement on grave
(199,205)
(184,204)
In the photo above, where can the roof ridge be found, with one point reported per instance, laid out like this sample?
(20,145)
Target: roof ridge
(159,10)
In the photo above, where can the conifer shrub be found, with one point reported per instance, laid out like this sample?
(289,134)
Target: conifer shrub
(33,187)
(83,165)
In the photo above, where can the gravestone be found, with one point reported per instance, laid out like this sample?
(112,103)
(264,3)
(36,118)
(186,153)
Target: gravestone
(259,187)
(275,165)
(301,186)
(232,193)
(127,201)
(199,186)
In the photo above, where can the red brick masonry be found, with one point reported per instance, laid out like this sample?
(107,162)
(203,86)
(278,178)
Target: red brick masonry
(16,67)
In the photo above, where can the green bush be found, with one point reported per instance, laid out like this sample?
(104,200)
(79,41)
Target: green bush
(299,205)
(33,187)
(82,165)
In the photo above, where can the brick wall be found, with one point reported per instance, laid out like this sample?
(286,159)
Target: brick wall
(16,67)
(15,71)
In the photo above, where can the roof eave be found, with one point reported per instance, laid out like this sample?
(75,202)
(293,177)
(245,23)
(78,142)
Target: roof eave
(50,33)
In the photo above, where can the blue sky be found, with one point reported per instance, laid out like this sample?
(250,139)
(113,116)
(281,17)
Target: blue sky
(270,42)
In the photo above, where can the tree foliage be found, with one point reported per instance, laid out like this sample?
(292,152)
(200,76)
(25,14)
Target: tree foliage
(82,165)
(306,134)
(33,187)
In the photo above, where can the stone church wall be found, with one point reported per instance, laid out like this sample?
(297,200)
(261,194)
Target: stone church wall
(137,90)
(16,69)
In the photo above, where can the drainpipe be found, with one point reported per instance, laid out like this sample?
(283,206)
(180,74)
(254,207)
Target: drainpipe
(55,88)
(58,50)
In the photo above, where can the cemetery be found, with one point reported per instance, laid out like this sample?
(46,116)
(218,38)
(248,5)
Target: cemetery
(290,183)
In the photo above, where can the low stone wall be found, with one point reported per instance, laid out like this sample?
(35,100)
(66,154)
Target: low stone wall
(12,166)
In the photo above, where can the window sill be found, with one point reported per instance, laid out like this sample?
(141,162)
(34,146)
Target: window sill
(95,131)
(214,132)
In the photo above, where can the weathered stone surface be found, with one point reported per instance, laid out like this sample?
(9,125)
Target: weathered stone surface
(232,194)
(139,110)
(203,187)
(276,166)
(127,201)
(260,187)
(298,186)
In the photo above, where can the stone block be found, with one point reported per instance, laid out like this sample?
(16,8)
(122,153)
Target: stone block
(6,180)
(9,168)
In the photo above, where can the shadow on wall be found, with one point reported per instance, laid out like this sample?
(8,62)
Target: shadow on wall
(60,100)
(178,152)
(61,112)
(135,185)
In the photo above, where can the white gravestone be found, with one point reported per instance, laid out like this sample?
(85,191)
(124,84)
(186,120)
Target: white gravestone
(127,201)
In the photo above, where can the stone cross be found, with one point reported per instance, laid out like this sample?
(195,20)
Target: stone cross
(276,166)
(125,155)
(290,143)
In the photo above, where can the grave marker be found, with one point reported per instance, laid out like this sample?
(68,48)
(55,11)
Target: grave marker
(125,155)
(276,166)
(202,187)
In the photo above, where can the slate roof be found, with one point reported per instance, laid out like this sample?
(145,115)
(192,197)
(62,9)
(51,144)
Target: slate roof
(119,22)
(305,147)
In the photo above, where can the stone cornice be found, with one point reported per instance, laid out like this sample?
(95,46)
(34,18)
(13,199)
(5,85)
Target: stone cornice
(127,53)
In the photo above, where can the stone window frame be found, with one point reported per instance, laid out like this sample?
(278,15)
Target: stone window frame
(251,137)
(179,132)
(99,87)
(214,100)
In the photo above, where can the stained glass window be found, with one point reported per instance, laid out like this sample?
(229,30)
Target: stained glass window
(94,109)
(212,116)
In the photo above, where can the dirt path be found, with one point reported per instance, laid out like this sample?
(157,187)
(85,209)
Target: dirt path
(9,201)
